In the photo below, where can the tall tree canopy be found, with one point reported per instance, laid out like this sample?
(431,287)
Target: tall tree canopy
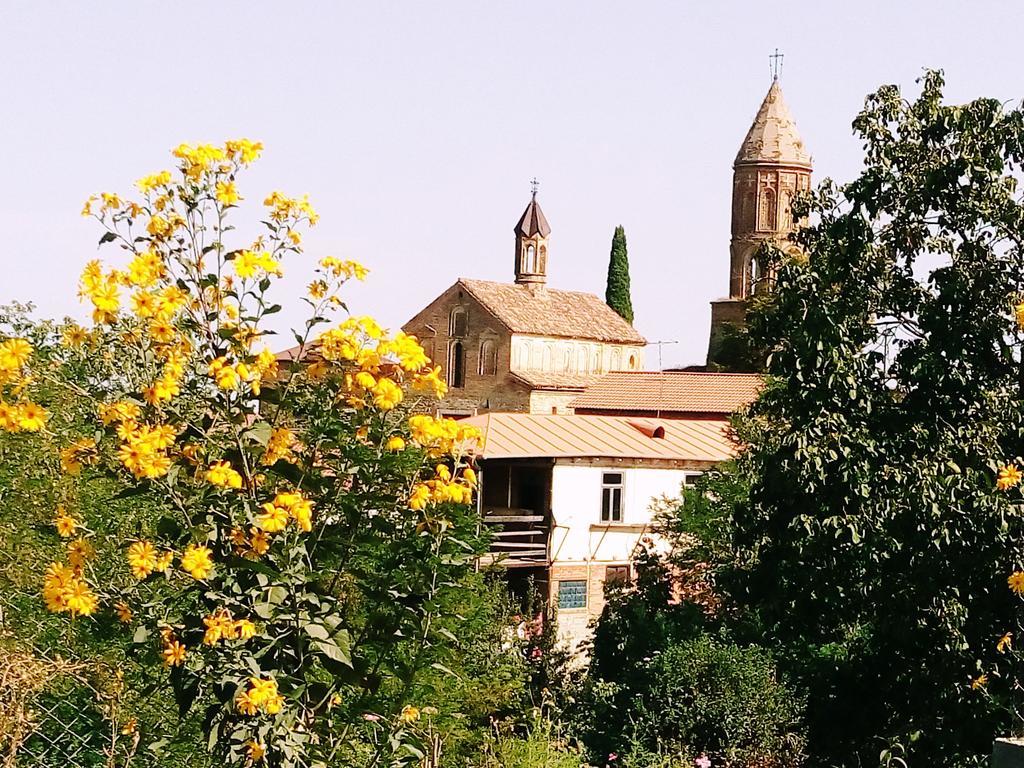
(874,548)
(617,292)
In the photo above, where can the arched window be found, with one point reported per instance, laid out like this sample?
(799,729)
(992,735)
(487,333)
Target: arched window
(616,360)
(595,361)
(488,357)
(456,365)
(543,260)
(754,276)
(766,211)
(545,362)
(632,362)
(458,323)
(567,361)
(530,263)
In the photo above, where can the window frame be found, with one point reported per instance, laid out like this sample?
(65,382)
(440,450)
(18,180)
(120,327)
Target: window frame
(625,578)
(612,516)
(456,364)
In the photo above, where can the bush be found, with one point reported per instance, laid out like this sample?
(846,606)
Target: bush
(712,697)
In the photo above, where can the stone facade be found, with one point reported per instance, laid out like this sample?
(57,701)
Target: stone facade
(522,347)
(771,167)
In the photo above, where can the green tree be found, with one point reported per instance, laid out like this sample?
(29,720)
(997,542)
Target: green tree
(617,292)
(873,549)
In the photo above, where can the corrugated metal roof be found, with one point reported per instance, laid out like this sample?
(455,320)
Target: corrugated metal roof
(670,392)
(523,435)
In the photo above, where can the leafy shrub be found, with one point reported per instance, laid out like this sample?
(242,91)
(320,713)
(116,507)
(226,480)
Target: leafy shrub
(711,697)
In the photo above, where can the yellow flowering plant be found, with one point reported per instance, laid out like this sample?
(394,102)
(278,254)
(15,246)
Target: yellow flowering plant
(311,519)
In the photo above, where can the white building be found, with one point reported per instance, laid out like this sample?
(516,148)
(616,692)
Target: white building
(570,497)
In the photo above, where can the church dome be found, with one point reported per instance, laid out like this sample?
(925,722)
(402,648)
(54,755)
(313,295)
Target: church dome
(773,138)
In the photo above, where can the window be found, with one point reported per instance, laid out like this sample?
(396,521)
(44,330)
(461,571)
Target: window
(488,358)
(530,263)
(457,365)
(572,594)
(611,497)
(616,574)
(690,479)
(767,216)
(458,322)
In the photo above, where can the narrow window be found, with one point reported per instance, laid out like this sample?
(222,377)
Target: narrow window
(457,365)
(767,214)
(488,358)
(611,497)
(572,594)
(616,574)
(458,323)
(531,260)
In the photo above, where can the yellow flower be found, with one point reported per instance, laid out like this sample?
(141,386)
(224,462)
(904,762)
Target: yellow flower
(197,561)
(32,417)
(74,336)
(63,590)
(259,542)
(9,417)
(420,497)
(387,394)
(255,751)
(222,475)
(395,443)
(163,562)
(142,559)
(409,714)
(65,524)
(979,682)
(279,446)
(14,353)
(148,183)
(77,454)
(246,150)
(124,613)
(273,518)
(245,629)
(173,653)
(1005,642)
(1016,582)
(1009,476)
(79,551)
(219,626)
(226,193)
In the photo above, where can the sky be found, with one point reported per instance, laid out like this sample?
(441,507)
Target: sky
(415,127)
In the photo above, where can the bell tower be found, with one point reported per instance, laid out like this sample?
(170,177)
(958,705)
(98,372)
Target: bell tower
(771,167)
(531,266)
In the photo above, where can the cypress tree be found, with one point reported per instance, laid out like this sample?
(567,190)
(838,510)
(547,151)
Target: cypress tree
(617,292)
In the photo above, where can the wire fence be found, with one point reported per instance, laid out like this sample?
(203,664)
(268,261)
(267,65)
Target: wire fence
(64,704)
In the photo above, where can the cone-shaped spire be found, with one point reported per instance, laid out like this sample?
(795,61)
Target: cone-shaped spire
(533,221)
(773,137)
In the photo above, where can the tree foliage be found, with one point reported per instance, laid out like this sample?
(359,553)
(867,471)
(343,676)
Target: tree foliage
(873,547)
(617,294)
(296,545)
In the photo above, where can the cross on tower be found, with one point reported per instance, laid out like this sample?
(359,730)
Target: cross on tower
(534,186)
(776,63)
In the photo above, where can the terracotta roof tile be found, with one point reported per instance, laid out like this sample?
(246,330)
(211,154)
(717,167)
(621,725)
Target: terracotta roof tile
(551,312)
(552,380)
(670,392)
(523,435)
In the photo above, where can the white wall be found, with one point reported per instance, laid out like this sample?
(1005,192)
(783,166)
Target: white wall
(541,353)
(576,506)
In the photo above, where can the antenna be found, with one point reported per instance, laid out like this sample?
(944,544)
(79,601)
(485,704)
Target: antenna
(661,373)
(534,186)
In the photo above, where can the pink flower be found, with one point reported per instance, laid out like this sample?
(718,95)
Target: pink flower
(702,762)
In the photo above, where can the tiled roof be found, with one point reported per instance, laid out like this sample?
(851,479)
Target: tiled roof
(524,435)
(551,312)
(533,221)
(773,137)
(552,380)
(670,392)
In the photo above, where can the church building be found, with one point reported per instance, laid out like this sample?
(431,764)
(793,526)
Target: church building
(771,167)
(522,346)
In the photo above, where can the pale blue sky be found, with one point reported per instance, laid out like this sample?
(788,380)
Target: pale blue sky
(415,127)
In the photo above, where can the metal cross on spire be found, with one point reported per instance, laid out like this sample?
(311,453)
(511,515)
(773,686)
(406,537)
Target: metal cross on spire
(776,63)
(534,186)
